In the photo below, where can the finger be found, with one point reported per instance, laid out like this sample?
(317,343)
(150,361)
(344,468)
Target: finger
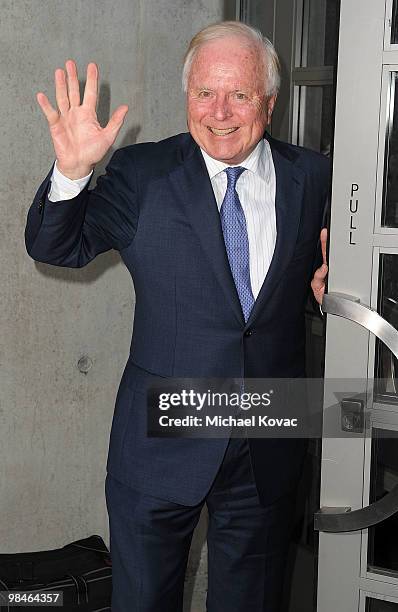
(50,113)
(318,283)
(318,293)
(116,122)
(73,83)
(61,92)
(320,275)
(324,238)
(91,88)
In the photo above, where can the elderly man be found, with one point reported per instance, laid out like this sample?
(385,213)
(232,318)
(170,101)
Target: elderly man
(219,228)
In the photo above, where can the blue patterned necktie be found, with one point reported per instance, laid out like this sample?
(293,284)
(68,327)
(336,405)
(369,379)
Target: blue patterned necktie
(233,224)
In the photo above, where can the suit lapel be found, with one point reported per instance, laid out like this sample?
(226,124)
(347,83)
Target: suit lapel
(288,203)
(192,184)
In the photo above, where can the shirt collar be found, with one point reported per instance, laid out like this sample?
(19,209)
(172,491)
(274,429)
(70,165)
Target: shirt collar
(258,162)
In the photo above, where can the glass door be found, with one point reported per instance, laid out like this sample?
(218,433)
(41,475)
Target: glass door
(375,604)
(358,521)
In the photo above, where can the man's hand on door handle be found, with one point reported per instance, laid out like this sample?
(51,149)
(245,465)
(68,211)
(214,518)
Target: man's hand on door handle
(318,283)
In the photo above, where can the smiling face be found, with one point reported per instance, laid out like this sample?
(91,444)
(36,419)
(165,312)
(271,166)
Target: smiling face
(227,107)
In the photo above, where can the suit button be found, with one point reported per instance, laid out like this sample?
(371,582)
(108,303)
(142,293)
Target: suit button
(248,333)
(40,206)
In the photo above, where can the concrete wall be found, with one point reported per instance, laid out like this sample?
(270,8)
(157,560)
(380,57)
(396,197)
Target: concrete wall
(54,419)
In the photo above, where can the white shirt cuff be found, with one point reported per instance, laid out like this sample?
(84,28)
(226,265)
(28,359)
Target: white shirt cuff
(64,188)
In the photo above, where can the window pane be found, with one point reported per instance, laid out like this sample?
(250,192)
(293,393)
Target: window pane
(394,23)
(386,365)
(315,117)
(390,187)
(256,13)
(378,605)
(319,33)
(383,538)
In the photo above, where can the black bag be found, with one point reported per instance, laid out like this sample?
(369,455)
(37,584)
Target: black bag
(81,570)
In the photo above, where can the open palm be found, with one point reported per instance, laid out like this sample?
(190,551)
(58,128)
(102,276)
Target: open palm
(79,140)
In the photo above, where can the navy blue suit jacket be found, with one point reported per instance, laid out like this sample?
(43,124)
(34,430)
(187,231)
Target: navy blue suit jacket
(156,206)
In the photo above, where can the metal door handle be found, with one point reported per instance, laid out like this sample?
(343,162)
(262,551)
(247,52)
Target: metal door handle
(350,308)
(343,519)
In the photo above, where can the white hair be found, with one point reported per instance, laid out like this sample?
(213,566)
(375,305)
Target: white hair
(226,29)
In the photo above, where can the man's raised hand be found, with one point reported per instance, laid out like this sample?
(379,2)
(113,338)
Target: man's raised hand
(79,140)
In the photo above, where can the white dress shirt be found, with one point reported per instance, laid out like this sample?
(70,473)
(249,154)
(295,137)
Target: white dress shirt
(64,188)
(256,190)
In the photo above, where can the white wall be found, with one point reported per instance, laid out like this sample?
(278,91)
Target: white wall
(55,420)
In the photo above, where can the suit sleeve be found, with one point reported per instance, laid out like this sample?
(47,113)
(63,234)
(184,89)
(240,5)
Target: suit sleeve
(73,232)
